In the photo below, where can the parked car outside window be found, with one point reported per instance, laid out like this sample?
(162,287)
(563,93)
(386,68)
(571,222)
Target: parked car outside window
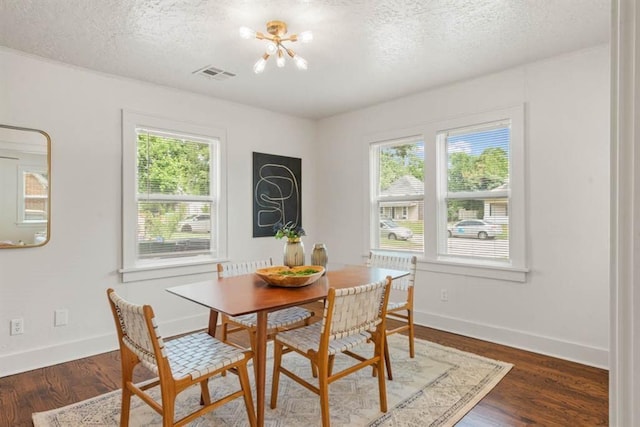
(392,231)
(200,223)
(475,228)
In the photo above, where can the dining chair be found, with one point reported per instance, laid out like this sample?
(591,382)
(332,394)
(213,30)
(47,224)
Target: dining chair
(277,321)
(352,317)
(179,363)
(400,306)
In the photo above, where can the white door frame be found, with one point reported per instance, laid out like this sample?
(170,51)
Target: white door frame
(624,349)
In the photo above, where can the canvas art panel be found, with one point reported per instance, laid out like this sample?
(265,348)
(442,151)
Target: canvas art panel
(277,192)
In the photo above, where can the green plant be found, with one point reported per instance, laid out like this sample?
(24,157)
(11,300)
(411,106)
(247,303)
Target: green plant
(289,230)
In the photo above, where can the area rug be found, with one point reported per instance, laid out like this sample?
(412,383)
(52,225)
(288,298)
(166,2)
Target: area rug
(436,388)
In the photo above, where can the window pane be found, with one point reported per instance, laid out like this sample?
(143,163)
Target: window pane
(36,191)
(470,235)
(402,225)
(172,166)
(401,169)
(478,162)
(478,159)
(174,228)
(400,195)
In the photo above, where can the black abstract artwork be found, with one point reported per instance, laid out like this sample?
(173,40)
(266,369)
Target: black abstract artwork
(277,192)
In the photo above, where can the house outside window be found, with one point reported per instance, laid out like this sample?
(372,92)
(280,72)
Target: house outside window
(174,209)
(459,186)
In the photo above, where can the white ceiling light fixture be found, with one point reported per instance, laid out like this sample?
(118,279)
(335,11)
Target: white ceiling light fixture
(277,31)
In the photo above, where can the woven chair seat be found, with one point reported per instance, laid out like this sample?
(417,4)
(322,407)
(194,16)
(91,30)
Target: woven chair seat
(275,320)
(395,305)
(198,354)
(308,338)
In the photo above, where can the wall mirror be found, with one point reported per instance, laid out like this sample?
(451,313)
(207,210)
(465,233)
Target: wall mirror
(25,191)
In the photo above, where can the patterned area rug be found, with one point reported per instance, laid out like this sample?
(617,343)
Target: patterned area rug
(436,388)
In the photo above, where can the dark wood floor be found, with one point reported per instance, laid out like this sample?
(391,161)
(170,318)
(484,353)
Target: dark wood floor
(539,390)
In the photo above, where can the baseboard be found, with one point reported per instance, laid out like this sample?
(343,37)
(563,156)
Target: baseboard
(579,353)
(19,362)
(40,357)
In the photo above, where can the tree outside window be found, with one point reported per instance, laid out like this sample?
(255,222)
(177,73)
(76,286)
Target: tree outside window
(175,204)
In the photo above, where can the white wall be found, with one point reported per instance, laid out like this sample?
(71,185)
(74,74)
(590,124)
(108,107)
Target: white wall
(562,308)
(81,111)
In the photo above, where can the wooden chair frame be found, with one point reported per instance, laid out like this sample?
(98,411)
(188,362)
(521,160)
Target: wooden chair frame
(322,359)
(170,386)
(400,311)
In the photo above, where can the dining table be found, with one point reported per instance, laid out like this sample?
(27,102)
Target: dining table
(248,293)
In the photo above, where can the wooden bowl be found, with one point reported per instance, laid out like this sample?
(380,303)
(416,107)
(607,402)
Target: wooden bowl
(273,275)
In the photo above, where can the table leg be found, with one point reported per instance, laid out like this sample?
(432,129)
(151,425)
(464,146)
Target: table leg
(213,322)
(260,359)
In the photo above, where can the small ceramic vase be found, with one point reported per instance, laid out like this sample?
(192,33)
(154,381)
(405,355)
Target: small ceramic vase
(293,253)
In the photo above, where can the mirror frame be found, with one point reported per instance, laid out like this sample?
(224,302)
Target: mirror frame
(48,144)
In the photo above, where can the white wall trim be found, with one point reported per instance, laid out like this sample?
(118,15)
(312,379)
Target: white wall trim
(575,352)
(23,361)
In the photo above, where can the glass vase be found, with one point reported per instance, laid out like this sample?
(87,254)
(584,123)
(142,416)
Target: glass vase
(293,253)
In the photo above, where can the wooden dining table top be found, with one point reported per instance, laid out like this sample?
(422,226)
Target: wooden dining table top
(248,293)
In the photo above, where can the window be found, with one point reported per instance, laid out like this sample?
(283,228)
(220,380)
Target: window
(398,193)
(174,211)
(34,195)
(453,194)
(477,177)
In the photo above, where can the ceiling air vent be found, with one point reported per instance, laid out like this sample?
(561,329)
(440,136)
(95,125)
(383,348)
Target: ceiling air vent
(214,73)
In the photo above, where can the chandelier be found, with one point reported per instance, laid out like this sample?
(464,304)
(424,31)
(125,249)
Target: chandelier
(277,31)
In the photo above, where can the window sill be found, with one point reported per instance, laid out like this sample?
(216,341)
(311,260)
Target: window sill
(484,270)
(471,268)
(168,268)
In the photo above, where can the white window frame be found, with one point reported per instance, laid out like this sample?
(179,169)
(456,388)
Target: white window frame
(515,268)
(135,269)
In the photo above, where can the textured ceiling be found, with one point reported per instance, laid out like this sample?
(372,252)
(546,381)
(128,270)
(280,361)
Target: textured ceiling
(364,51)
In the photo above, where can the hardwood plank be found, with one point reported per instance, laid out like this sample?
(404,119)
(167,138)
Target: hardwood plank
(538,390)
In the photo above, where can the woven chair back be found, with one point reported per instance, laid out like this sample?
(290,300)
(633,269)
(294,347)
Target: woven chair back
(396,262)
(230,269)
(135,332)
(355,310)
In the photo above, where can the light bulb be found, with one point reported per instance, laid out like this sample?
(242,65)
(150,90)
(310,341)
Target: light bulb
(280,59)
(258,67)
(305,36)
(301,63)
(271,48)
(247,33)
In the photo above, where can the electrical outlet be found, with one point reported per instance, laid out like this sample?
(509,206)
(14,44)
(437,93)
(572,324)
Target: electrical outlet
(17,326)
(61,317)
(444,295)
